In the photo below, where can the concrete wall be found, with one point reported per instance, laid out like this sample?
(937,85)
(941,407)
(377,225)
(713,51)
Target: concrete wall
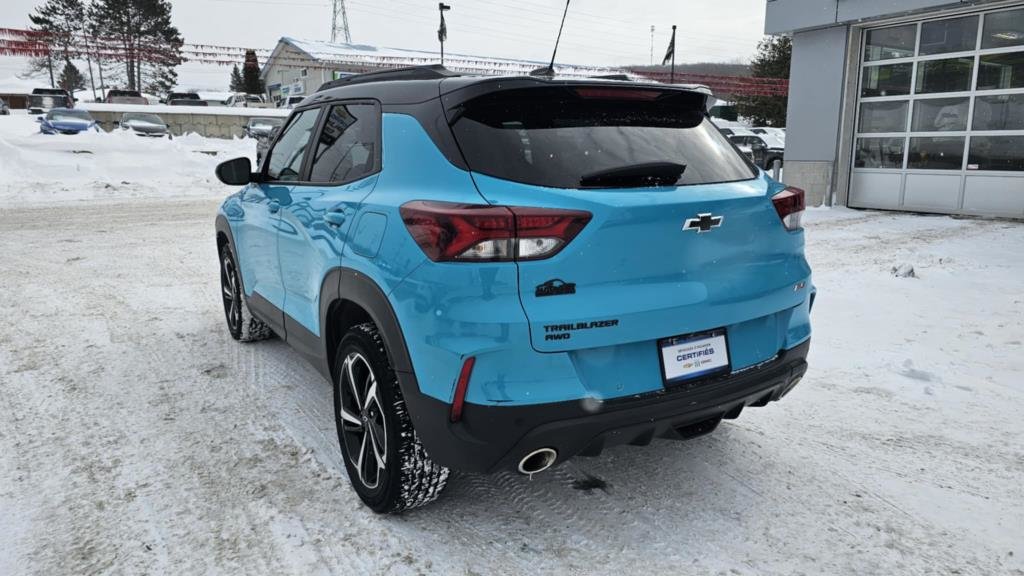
(784,16)
(210,125)
(816,82)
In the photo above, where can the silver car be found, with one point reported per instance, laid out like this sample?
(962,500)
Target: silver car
(145,124)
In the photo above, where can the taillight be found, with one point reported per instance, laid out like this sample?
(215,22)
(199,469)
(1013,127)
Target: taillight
(448,231)
(790,205)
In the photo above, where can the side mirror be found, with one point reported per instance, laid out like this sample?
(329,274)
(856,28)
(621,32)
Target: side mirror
(39,118)
(235,172)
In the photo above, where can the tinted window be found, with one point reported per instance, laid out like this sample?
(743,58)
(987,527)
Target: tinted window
(565,137)
(940,114)
(879,153)
(996,153)
(285,162)
(953,35)
(347,147)
(1003,112)
(883,116)
(952,75)
(1003,29)
(886,80)
(1001,71)
(936,153)
(888,43)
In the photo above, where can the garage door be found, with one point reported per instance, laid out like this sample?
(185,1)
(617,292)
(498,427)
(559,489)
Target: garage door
(940,116)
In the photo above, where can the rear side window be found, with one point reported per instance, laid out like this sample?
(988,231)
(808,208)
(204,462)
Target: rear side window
(285,163)
(562,137)
(347,147)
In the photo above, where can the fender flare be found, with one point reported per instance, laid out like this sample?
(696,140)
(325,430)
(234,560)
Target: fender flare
(346,284)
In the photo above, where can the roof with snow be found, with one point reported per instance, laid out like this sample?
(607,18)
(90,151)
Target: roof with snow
(364,58)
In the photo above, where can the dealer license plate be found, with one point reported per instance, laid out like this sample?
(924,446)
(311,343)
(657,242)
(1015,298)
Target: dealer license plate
(693,356)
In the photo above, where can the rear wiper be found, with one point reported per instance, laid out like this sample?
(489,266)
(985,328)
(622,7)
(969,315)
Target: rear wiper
(649,174)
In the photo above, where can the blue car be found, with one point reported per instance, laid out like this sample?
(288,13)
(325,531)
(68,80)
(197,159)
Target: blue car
(504,273)
(66,121)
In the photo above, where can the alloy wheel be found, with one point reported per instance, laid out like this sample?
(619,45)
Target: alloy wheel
(230,294)
(363,425)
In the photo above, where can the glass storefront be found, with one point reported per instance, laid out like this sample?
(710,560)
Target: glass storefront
(942,97)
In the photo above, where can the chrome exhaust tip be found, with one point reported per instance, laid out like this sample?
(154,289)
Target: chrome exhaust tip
(537,461)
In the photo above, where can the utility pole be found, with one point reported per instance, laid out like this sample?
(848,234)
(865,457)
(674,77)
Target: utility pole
(442,30)
(338,13)
(652,44)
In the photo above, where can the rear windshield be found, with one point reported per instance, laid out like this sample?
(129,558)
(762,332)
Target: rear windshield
(562,136)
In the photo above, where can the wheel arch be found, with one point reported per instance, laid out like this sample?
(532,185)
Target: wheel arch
(348,298)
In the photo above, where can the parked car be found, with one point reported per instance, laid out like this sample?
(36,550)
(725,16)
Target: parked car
(43,103)
(262,127)
(145,124)
(171,97)
(554,267)
(762,153)
(4,109)
(66,121)
(779,134)
(125,97)
(290,101)
(245,101)
(263,130)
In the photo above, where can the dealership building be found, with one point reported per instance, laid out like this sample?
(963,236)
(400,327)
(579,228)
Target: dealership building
(913,105)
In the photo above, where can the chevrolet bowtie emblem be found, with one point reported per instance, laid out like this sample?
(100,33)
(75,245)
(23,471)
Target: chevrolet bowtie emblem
(703,223)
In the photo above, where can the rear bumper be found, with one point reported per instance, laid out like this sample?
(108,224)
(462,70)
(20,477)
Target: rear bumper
(491,438)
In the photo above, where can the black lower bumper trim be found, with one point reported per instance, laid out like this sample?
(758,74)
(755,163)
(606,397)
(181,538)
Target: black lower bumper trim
(490,438)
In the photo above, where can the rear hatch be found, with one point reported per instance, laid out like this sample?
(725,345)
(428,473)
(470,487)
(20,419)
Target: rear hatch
(683,237)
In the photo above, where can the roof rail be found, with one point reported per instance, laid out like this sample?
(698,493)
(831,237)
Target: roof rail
(429,72)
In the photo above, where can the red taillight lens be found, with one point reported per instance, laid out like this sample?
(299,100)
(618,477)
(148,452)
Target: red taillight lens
(447,231)
(790,205)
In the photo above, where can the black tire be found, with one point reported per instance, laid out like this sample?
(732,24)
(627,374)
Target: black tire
(396,473)
(242,325)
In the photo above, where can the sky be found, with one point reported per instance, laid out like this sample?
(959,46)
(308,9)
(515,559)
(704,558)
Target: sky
(597,32)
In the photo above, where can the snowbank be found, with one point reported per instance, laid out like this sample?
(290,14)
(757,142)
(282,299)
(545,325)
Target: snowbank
(37,168)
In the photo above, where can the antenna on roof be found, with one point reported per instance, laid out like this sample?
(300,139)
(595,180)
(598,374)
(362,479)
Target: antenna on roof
(550,70)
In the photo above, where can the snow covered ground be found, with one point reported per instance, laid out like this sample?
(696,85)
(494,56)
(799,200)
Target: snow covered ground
(137,437)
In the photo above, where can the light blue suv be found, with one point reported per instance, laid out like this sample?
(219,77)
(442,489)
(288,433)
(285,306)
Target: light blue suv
(502,273)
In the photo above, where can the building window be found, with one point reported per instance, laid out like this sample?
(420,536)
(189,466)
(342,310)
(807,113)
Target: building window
(886,80)
(883,116)
(952,75)
(940,115)
(1002,112)
(1003,29)
(879,153)
(887,43)
(996,153)
(1001,71)
(936,153)
(952,35)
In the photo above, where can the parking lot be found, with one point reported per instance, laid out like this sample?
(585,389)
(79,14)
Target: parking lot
(139,438)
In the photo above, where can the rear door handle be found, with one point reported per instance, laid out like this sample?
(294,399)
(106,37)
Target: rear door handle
(274,206)
(334,218)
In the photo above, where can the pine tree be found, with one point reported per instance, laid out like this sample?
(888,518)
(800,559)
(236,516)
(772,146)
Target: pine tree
(147,44)
(59,23)
(252,83)
(71,79)
(237,84)
(772,61)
